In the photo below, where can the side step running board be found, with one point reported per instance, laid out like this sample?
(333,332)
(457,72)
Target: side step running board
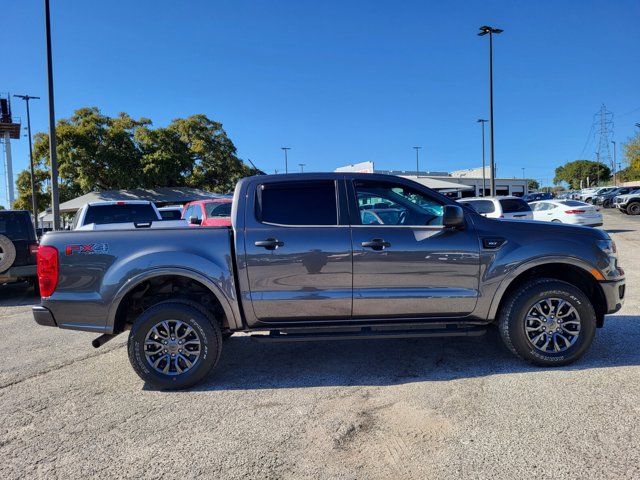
(368,334)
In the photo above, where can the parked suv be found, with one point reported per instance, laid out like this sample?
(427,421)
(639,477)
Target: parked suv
(629,203)
(512,208)
(18,247)
(606,198)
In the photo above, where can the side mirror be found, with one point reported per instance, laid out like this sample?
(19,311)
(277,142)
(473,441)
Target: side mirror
(195,221)
(453,216)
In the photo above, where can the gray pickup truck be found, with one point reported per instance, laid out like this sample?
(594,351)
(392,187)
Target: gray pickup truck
(304,261)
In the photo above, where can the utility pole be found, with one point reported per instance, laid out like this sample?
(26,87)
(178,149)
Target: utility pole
(286,159)
(55,207)
(34,204)
(615,180)
(484,182)
(523,173)
(302,167)
(598,167)
(484,30)
(417,162)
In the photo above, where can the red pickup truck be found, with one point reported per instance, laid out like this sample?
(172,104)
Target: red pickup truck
(215,212)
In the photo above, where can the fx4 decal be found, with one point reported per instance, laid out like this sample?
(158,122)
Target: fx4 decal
(89,248)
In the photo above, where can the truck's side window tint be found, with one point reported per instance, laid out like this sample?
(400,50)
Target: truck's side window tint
(482,206)
(394,204)
(298,203)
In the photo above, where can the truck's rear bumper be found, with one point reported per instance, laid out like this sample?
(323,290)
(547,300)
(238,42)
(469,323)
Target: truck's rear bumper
(43,316)
(614,293)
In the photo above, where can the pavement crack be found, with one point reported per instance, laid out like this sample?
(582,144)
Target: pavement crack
(60,366)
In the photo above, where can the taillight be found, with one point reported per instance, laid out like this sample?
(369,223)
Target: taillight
(572,212)
(47,270)
(33,249)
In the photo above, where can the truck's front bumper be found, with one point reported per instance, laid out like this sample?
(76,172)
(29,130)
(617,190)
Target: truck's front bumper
(614,292)
(43,316)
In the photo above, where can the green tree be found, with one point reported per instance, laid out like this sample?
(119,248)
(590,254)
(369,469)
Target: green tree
(215,164)
(534,185)
(23,184)
(632,158)
(579,170)
(98,152)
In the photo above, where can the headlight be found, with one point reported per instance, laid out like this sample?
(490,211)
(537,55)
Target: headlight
(608,247)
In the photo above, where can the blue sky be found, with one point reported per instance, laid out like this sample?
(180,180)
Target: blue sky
(341,82)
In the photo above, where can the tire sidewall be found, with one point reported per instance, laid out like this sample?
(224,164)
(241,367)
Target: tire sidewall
(551,289)
(633,208)
(208,334)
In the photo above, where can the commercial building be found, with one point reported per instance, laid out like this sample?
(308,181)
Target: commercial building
(457,184)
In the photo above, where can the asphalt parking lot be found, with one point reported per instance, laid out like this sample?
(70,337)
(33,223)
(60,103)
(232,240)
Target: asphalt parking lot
(439,408)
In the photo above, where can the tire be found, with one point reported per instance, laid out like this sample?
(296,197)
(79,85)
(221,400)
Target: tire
(180,317)
(633,208)
(512,323)
(7,253)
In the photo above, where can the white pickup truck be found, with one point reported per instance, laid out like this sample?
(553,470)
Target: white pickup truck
(122,215)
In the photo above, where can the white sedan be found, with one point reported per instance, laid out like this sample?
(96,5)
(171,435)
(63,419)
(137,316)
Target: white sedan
(567,211)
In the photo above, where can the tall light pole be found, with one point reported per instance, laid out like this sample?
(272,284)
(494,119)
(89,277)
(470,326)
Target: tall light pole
(417,161)
(286,159)
(302,167)
(522,173)
(484,182)
(615,181)
(484,30)
(55,207)
(34,205)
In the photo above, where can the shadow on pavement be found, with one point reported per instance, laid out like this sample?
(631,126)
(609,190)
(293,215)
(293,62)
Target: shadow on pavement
(246,364)
(17,294)
(617,230)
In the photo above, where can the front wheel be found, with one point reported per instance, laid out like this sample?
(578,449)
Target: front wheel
(548,322)
(633,208)
(174,345)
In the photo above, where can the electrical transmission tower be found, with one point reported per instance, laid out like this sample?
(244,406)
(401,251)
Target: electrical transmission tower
(603,127)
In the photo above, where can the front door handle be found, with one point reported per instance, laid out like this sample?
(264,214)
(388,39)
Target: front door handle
(376,244)
(269,243)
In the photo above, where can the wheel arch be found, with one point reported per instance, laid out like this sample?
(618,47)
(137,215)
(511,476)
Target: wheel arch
(117,318)
(573,271)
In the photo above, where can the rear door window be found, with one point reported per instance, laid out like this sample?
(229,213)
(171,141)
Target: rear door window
(514,205)
(127,213)
(298,203)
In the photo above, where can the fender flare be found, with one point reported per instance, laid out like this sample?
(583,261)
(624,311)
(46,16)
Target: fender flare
(536,262)
(133,282)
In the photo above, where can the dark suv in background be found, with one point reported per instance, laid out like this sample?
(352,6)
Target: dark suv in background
(18,247)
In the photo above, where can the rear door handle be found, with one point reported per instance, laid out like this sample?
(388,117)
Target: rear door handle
(269,243)
(376,244)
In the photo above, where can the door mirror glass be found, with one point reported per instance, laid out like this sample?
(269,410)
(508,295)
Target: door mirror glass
(195,221)
(453,216)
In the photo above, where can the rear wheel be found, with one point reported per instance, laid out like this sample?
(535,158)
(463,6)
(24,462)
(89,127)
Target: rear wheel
(174,345)
(633,208)
(548,322)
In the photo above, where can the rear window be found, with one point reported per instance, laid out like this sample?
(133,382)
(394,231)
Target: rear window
(482,206)
(298,203)
(16,226)
(218,209)
(573,203)
(171,214)
(105,214)
(514,205)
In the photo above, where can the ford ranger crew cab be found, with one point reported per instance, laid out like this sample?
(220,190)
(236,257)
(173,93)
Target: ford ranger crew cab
(300,263)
